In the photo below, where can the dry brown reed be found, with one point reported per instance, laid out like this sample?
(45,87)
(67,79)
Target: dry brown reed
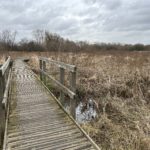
(119,82)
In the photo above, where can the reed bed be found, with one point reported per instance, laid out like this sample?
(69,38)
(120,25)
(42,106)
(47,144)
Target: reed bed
(119,84)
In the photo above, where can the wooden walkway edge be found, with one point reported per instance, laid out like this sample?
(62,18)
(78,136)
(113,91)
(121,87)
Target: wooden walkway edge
(36,120)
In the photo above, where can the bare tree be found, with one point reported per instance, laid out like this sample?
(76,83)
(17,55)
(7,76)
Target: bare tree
(7,39)
(39,36)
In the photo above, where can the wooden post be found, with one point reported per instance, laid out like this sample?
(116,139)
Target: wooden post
(2,120)
(41,69)
(1,95)
(44,69)
(4,79)
(73,88)
(2,86)
(62,77)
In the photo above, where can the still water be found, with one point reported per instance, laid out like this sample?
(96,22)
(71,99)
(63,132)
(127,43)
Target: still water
(87,115)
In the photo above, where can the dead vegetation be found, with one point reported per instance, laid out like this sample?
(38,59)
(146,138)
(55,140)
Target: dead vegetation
(119,83)
(2,59)
(121,87)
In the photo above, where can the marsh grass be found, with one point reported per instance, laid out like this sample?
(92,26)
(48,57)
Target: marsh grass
(119,83)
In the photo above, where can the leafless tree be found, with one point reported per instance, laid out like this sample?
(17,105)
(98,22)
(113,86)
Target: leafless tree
(7,39)
(39,36)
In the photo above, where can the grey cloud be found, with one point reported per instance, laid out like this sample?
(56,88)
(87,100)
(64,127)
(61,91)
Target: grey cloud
(63,23)
(109,4)
(128,19)
(93,20)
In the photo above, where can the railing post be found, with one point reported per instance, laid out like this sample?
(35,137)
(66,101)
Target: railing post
(2,115)
(1,86)
(41,69)
(44,69)
(4,80)
(62,75)
(73,88)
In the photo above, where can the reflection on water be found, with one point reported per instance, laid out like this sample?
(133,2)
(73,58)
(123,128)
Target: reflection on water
(88,114)
(84,113)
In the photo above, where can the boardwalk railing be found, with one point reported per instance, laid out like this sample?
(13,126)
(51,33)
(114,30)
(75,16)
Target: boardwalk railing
(71,92)
(5,70)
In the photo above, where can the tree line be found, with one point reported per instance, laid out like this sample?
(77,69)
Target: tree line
(46,41)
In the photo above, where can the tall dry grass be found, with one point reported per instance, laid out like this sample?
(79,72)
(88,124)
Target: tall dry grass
(119,83)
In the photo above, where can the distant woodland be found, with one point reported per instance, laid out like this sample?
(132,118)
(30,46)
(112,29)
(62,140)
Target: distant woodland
(46,41)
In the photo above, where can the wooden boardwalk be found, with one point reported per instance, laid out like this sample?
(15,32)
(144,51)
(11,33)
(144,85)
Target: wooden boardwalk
(35,121)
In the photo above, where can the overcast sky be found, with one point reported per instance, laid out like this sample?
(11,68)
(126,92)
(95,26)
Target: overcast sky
(124,21)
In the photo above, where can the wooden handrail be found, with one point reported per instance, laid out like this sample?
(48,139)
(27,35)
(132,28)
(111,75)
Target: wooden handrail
(60,84)
(4,74)
(4,89)
(68,67)
(5,97)
(5,66)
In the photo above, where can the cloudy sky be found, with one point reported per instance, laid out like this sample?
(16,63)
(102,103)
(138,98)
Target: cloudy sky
(124,21)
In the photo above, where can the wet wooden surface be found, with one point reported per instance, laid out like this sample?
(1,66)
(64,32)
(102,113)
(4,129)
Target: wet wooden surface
(35,121)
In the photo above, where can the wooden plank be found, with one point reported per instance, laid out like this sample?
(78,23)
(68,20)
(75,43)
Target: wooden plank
(25,59)
(68,67)
(60,86)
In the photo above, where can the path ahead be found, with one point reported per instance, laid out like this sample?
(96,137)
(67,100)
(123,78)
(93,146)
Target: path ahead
(35,120)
